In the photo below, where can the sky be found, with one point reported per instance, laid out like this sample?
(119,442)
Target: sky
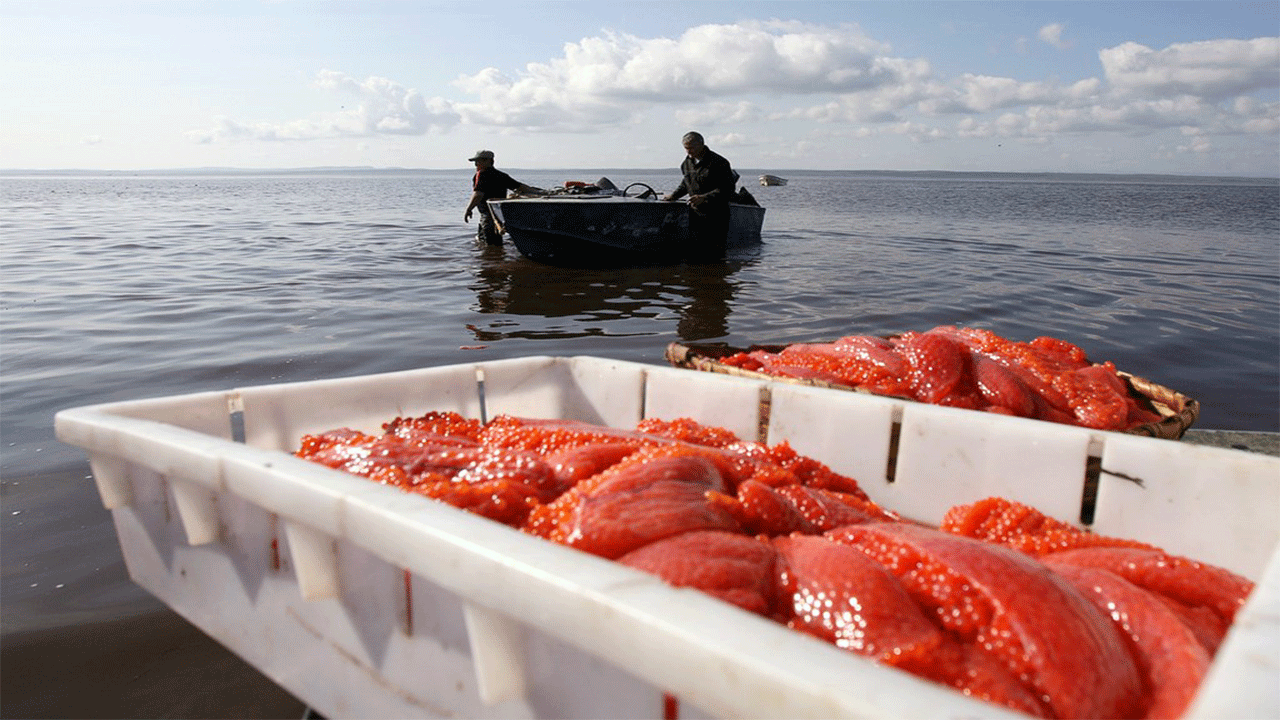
(1188,88)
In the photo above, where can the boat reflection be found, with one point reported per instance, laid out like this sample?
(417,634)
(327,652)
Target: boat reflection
(594,301)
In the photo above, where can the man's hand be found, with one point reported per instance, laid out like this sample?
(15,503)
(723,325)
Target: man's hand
(697,200)
(467,216)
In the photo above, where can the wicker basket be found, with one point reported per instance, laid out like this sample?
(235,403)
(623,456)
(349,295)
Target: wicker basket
(1178,412)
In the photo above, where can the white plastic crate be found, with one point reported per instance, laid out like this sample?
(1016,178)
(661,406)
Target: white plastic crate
(365,601)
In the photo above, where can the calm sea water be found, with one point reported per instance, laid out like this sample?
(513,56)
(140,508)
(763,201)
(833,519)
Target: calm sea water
(121,287)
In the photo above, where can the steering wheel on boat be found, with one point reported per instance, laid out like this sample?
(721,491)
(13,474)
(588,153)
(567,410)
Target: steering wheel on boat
(648,191)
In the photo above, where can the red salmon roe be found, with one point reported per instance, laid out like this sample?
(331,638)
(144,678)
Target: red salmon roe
(1046,379)
(1013,608)
(694,505)
(845,597)
(686,430)
(735,568)
(548,436)
(313,444)
(1023,528)
(436,423)
(1169,655)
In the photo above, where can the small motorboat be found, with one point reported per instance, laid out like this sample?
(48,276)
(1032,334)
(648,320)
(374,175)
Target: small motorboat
(599,225)
(772,180)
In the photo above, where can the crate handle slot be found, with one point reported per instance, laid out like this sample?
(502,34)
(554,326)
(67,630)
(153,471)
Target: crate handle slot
(235,416)
(497,649)
(484,409)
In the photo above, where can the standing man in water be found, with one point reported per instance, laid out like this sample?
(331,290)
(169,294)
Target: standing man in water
(490,183)
(709,181)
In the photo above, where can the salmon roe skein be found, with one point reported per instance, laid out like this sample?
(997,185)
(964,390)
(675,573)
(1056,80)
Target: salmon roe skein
(1023,528)
(846,362)
(837,593)
(940,370)
(827,509)
(552,520)
(761,510)
(687,430)
(810,472)
(1168,654)
(548,436)
(643,503)
(733,567)
(1187,581)
(310,445)
(502,501)
(1067,651)
(440,424)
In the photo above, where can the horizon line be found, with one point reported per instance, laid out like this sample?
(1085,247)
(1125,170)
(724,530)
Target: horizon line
(393,168)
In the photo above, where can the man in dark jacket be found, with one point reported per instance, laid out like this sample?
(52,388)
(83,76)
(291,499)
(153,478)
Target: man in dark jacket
(490,183)
(709,181)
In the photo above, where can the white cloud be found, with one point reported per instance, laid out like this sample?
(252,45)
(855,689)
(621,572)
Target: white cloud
(1196,142)
(383,107)
(1213,69)
(1052,34)
(720,113)
(1204,85)
(729,140)
(539,102)
(1256,117)
(602,79)
(982,93)
(917,132)
(1182,85)
(388,107)
(732,79)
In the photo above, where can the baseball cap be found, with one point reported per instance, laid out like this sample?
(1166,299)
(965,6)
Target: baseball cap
(481,155)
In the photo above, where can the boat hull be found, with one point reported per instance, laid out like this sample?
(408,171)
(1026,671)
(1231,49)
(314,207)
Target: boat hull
(612,230)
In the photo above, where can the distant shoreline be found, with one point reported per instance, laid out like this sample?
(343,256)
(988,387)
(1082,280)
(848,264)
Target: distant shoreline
(745,172)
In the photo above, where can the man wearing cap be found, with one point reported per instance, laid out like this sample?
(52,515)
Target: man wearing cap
(491,183)
(709,181)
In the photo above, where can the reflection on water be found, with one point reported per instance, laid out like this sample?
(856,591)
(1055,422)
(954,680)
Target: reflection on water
(596,301)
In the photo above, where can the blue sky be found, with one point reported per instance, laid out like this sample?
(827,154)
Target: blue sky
(1123,86)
